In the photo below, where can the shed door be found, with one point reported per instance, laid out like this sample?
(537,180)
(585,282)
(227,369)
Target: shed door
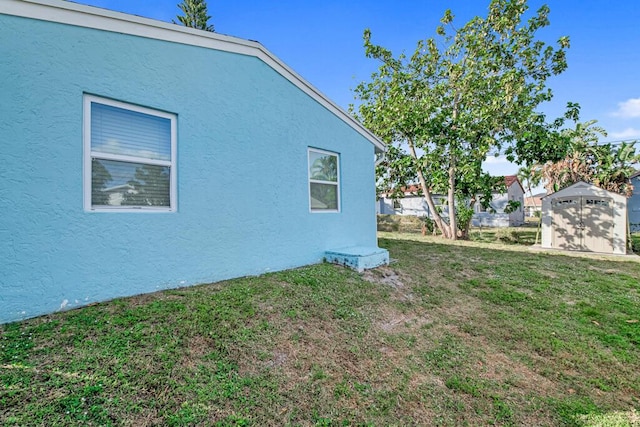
(567,231)
(597,217)
(583,223)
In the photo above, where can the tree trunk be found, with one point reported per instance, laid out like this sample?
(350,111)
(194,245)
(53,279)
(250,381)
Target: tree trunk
(453,226)
(453,223)
(464,234)
(437,219)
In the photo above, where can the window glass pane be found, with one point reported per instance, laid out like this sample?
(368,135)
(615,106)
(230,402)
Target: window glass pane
(116,183)
(323,166)
(118,131)
(567,202)
(597,202)
(324,196)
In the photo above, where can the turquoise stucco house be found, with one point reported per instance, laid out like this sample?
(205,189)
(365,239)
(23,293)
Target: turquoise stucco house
(140,155)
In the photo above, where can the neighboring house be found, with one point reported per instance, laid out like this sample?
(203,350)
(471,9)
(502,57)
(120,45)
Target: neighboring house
(496,216)
(633,204)
(141,155)
(533,204)
(583,217)
(413,204)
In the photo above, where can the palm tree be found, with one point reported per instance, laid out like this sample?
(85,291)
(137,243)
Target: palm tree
(530,176)
(603,165)
(325,168)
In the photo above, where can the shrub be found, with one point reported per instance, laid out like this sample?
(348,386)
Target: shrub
(508,235)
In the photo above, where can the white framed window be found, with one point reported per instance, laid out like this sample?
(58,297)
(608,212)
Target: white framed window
(324,181)
(129,157)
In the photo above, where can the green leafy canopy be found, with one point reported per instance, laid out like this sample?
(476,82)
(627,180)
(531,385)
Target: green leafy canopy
(463,95)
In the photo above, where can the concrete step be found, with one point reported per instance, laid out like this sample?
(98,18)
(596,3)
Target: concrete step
(359,258)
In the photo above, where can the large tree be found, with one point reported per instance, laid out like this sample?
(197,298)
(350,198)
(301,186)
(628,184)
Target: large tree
(464,94)
(195,15)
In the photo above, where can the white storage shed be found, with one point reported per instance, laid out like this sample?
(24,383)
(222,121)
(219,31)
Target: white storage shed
(583,217)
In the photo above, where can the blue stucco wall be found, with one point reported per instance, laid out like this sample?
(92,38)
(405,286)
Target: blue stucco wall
(243,133)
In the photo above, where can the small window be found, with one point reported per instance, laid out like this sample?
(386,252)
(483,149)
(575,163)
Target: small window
(129,157)
(566,202)
(488,209)
(324,181)
(597,202)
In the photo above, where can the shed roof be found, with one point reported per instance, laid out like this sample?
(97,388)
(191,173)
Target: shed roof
(584,188)
(66,12)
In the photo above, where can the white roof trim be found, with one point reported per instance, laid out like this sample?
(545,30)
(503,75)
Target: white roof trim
(582,188)
(66,12)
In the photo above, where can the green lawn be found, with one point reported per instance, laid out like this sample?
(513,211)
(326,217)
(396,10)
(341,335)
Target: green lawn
(465,333)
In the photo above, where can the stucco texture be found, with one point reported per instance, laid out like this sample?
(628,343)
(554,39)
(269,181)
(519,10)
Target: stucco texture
(243,198)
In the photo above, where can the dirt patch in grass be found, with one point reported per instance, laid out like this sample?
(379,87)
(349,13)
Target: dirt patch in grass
(195,348)
(396,321)
(384,275)
(387,276)
(498,367)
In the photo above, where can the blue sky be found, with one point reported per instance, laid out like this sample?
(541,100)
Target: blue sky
(322,41)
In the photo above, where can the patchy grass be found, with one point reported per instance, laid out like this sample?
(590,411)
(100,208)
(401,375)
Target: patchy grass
(525,235)
(464,333)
